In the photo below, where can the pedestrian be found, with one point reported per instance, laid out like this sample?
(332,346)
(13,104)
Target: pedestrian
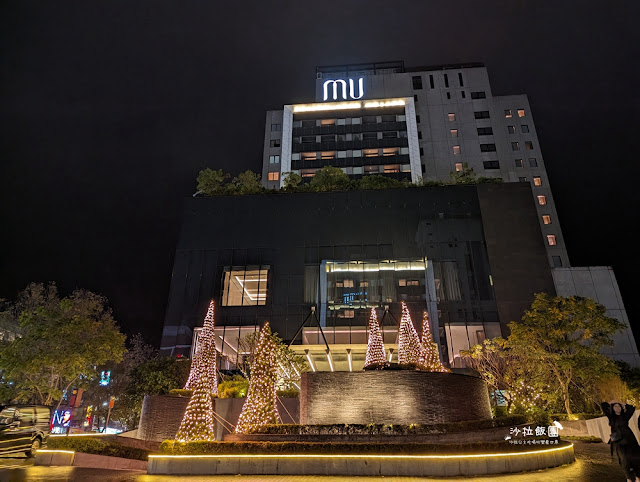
(622,438)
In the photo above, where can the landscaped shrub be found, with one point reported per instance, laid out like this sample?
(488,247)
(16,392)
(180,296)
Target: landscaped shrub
(179,392)
(575,416)
(233,387)
(293,393)
(174,447)
(379,429)
(89,445)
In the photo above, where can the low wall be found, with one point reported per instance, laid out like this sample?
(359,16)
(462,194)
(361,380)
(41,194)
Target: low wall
(599,427)
(228,409)
(361,465)
(391,397)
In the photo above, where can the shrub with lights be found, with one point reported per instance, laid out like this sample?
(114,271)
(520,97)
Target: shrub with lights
(260,406)
(197,423)
(429,359)
(205,359)
(375,359)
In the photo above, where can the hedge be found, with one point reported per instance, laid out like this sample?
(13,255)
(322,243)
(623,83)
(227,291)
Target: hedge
(88,445)
(178,448)
(378,429)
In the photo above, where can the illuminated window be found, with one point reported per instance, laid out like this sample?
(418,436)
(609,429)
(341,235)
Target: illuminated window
(390,151)
(416,80)
(483,114)
(452,117)
(327,122)
(328,155)
(389,168)
(308,156)
(458,167)
(276,127)
(542,200)
(307,172)
(274,159)
(346,314)
(245,286)
(454,132)
(528,145)
(520,112)
(533,162)
(508,113)
(525,128)
(347,283)
(511,129)
(370,152)
(456,150)
(371,169)
(518,162)
(515,146)
(551,239)
(546,219)
(274,176)
(274,143)
(537,181)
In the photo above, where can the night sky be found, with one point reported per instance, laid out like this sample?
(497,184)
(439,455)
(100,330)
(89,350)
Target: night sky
(108,111)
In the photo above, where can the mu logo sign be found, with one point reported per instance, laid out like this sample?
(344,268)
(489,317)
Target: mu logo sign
(343,86)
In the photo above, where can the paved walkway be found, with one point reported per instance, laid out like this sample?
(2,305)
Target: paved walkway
(593,463)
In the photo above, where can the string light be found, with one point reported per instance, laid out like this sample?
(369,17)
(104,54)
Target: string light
(260,406)
(375,345)
(205,357)
(408,342)
(197,423)
(429,356)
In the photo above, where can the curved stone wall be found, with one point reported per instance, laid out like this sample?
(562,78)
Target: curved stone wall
(391,397)
(160,417)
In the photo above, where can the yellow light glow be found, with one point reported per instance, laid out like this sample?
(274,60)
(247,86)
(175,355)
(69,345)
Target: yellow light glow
(45,451)
(330,360)
(352,456)
(349,359)
(384,103)
(326,106)
(79,434)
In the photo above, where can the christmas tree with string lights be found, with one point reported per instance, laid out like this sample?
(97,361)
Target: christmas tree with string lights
(408,342)
(205,358)
(429,357)
(375,345)
(197,422)
(260,406)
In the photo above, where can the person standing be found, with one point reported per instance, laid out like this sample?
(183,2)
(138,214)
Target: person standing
(622,438)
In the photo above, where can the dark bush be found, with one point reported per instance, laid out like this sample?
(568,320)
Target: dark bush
(96,446)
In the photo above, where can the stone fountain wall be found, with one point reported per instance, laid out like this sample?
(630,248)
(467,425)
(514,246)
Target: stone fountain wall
(392,397)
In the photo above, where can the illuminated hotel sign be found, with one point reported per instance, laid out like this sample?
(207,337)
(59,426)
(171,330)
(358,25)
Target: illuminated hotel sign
(366,104)
(340,86)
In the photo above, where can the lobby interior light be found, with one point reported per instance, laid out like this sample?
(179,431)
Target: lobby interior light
(330,359)
(349,359)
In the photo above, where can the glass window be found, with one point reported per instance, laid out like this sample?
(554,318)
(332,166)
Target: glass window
(511,129)
(405,168)
(356,120)
(483,114)
(342,154)
(542,200)
(487,148)
(520,112)
(416,80)
(528,145)
(515,146)
(456,150)
(297,123)
(525,128)
(454,132)
(537,181)
(341,122)
(328,138)
(508,113)
(370,152)
(307,172)
(295,156)
(369,136)
(478,95)
(274,176)
(452,117)
(557,261)
(388,168)
(485,131)
(523,179)
(519,163)
(357,169)
(357,153)
(308,156)
(328,155)
(404,150)
(390,151)
(491,164)
(551,239)
(307,139)
(274,159)
(458,166)
(274,143)
(533,162)
(546,219)
(390,135)
(327,122)
(276,127)
(245,286)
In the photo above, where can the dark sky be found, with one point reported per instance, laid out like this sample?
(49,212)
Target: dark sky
(108,111)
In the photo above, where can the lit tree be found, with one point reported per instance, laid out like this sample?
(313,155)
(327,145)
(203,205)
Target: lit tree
(375,345)
(205,357)
(197,423)
(429,356)
(260,407)
(409,342)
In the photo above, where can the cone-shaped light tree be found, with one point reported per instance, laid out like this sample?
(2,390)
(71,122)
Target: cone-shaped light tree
(408,342)
(197,423)
(429,356)
(260,406)
(205,357)
(375,345)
